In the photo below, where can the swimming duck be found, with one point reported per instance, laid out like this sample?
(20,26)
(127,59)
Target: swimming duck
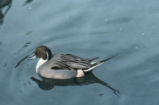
(62,66)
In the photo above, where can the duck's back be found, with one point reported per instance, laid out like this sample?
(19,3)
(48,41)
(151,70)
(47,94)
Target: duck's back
(71,61)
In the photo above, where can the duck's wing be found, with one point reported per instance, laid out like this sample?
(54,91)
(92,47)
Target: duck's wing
(75,62)
(74,57)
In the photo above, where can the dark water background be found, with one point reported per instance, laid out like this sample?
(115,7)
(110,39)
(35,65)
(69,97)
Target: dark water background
(87,28)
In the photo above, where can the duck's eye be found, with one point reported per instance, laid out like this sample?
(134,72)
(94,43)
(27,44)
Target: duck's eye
(55,68)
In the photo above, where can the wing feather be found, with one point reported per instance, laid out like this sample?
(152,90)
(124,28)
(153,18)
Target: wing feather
(75,62)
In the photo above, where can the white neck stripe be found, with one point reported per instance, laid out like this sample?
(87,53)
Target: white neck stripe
(40,63)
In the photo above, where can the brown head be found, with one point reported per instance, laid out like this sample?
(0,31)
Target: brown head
(43,52)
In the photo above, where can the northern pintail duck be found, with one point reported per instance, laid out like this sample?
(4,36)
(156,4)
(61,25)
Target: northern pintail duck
(62,66)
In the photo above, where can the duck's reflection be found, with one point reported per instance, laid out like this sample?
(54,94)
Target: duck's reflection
(47,84)
(4,7)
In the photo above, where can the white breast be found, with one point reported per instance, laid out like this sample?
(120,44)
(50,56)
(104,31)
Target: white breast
(40,62)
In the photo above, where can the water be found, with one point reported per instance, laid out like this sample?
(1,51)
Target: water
(87,28)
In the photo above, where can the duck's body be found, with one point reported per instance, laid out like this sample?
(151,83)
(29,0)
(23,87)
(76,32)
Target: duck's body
(63,66)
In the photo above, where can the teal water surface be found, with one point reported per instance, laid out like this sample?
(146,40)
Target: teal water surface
(87,28)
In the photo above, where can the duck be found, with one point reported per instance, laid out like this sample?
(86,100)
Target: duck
(62,66)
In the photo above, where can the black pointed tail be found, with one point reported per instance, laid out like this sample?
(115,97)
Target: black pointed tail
(102,61)
(94,65)
(91,59)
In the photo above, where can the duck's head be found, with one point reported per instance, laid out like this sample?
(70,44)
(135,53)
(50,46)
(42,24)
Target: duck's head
(42,52)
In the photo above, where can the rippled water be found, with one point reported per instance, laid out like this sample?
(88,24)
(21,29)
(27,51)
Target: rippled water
(87,28)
